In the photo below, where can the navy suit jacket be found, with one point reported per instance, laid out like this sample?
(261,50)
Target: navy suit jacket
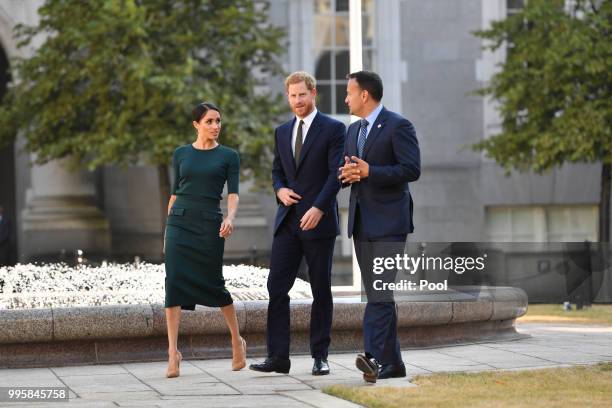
(315,178)
(392,153)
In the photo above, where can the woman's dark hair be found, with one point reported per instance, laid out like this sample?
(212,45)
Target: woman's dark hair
(368,81)
(200,110)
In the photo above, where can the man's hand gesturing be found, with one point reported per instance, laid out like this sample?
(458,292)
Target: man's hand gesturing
(353,171)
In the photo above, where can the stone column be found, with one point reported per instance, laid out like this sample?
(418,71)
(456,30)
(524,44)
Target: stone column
(61,214)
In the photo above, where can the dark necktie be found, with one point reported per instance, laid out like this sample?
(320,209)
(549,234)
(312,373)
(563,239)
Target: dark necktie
(362,137)
(298,143)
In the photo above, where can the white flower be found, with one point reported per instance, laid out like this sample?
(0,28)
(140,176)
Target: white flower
(60,285)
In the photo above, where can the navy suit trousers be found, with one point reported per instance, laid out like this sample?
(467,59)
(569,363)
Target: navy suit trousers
(288,248)
(380,317)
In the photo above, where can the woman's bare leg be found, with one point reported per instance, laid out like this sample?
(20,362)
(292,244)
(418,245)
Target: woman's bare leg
(173,319)
(238,352)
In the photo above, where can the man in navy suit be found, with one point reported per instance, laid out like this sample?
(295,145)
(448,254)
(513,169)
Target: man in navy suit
(381,157)
(307,150)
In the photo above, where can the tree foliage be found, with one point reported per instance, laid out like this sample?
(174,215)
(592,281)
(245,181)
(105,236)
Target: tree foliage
(554,88)
(114,81)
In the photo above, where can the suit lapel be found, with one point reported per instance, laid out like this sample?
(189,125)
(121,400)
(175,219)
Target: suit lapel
(354,130)
(379,123)
(311,135)
(286,150)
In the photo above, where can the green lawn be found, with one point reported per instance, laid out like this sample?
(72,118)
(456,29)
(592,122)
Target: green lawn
(546,313)
(582,386)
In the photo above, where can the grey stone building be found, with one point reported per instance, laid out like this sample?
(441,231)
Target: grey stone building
(430,63)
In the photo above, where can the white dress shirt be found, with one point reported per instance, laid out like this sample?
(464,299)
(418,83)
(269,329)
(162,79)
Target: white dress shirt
(307,122)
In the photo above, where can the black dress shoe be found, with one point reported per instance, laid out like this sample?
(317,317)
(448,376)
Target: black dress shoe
(392,371)
(368,366)
(273,365)
(320,367)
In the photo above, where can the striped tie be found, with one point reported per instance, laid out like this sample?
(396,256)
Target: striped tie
(362,137)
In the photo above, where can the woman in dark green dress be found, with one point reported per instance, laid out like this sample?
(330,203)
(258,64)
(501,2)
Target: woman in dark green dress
(196,231)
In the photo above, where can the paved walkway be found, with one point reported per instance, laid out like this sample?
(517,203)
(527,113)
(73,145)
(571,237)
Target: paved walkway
(211,383)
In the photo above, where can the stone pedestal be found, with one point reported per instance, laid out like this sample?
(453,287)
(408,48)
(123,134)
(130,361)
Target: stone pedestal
(61,215)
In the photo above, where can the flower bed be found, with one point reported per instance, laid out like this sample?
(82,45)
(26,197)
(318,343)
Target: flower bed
(59,285)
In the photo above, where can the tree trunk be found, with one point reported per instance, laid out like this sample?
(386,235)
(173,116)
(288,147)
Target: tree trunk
(604,204)
(164,194)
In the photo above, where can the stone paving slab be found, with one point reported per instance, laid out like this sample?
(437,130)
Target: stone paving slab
(89,370)
(318,399)
(211,383)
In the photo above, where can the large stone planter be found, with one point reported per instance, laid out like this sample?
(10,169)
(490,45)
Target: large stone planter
(112,334)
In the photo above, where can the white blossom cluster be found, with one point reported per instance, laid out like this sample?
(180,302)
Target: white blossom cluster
(26,286)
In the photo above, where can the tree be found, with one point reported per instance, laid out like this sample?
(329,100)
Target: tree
(554,90)
(114,81)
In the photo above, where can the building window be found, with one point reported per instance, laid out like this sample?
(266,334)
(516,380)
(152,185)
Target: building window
(514,7)
(574,223)
(331,50)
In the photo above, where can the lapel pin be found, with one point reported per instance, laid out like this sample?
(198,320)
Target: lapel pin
(379,125)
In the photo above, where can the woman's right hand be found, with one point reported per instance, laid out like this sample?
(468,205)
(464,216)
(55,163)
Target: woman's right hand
(171,202)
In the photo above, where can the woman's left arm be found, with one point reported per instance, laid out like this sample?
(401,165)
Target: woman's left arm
(227,226)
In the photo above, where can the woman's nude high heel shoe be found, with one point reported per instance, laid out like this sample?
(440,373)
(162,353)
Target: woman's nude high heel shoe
(175,371)
(239,365)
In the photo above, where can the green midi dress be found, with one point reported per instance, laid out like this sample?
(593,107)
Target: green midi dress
(193,247)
